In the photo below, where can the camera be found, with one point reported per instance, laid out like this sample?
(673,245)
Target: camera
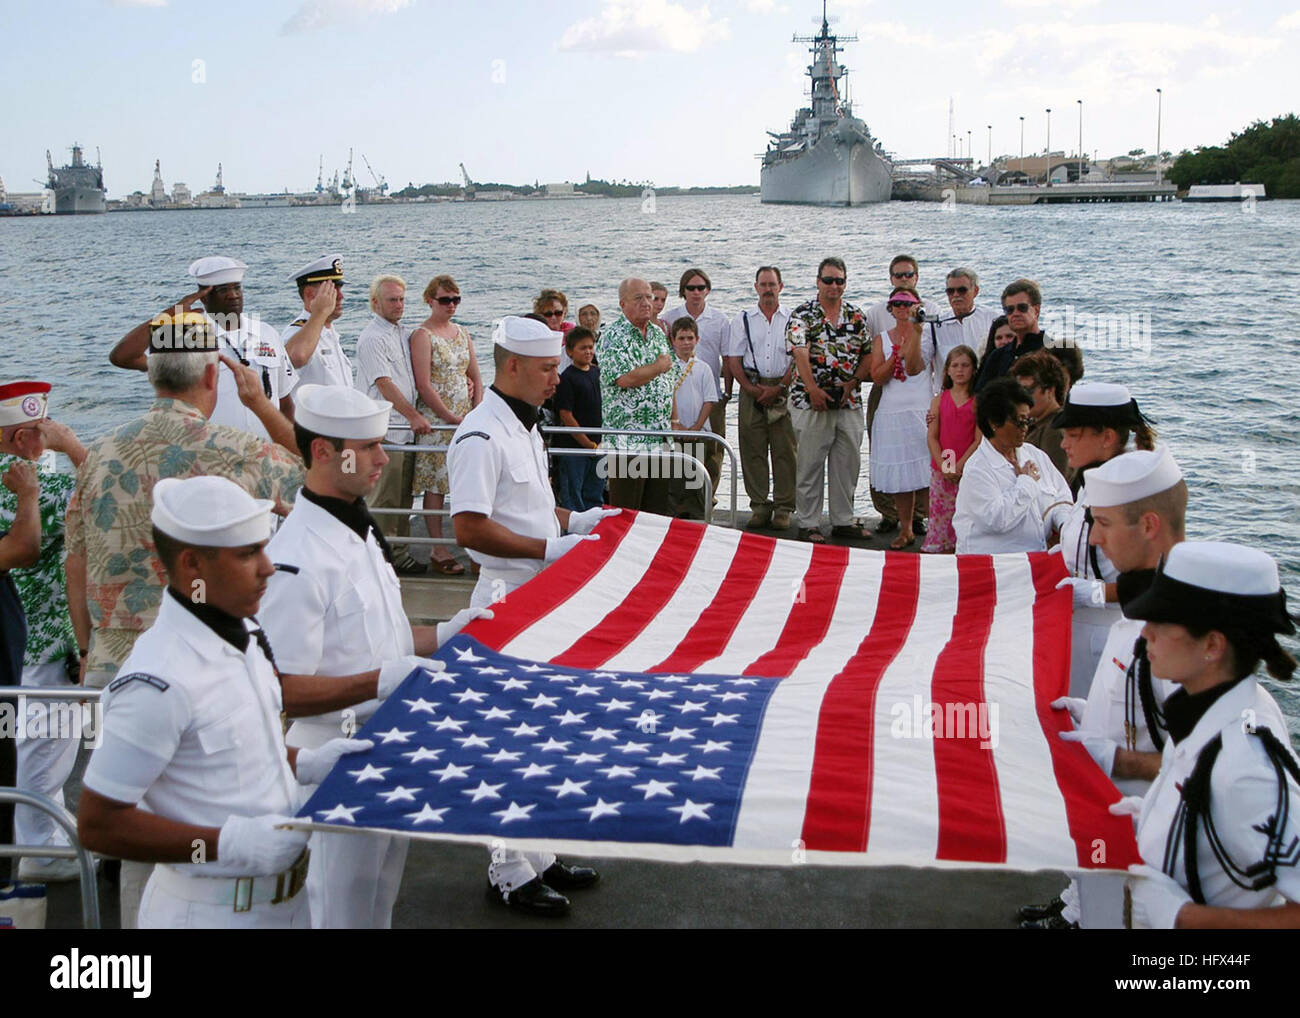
(920,315)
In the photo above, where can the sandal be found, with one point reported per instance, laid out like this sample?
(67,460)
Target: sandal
(852,530)
(446,566)
(812,535)
(902,541)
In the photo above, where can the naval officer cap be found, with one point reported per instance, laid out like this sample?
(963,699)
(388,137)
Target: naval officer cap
(327,267)
(339,411)
(23,402)
(527,337)
(217,270)
(210,512)
(1099,405)
(1208,585)
(187,332)
(1132,476)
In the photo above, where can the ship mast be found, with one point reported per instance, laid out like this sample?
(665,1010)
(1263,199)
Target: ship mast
(825,72)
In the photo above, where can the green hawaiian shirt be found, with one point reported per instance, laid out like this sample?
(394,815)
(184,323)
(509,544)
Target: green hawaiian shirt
(621,349)
(834,351)
(41,587)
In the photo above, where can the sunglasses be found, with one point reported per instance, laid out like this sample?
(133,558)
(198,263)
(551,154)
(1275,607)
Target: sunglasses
(832,280)
(1022,423)
(899,304)
(957,289)
(903,275)
(552,314)
(1022,307)
(696,287)
(448,302)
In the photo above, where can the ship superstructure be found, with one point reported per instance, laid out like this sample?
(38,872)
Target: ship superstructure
(78,187)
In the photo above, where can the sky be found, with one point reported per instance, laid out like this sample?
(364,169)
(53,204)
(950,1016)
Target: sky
(673,93)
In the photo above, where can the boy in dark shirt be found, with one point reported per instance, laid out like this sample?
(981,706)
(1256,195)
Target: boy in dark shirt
(578,481)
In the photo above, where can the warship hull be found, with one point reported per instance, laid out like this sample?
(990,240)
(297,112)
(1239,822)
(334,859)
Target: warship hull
(78,200)
(841,169)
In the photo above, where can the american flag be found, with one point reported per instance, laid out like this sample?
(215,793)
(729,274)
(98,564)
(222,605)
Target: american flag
(677,691)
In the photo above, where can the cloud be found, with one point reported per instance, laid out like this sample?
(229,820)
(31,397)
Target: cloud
(1056,5)
(1288,22)
(139,3)
(317,14)
(633,27)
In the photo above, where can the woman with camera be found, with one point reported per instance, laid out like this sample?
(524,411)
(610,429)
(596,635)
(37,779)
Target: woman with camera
(900,455)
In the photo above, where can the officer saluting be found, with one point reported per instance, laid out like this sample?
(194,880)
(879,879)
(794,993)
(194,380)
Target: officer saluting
(192,772)
(310,340)
(334,615)
(1216,831)
(505,517)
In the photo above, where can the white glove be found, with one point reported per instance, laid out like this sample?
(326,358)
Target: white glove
(585,522)
(1087,593)
(253,847)
(391,673)
(1057,515)
(314,764)
(1156,897)
(1129,806)
(446,630)
(1074,704)
(557,546)
(1100,749)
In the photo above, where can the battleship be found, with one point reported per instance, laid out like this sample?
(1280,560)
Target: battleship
(828,156)
(78,188)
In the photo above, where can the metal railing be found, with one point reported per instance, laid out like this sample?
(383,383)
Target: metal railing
(664,451)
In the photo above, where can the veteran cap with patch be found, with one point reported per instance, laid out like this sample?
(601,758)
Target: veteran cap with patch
(187,332)
(23,402)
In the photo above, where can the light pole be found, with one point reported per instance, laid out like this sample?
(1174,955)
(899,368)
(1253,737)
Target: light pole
(1080,102)
(1022,144)
(1049,146)
(1160,97)
(990,146)
(970,152)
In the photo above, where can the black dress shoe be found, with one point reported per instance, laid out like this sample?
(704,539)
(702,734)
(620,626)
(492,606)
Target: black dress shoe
(918,528)
(1052,922)
(886,526)
(569,878)
(1031,913)
(534,898)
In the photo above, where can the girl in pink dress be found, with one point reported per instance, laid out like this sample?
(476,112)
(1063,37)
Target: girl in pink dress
(952,439)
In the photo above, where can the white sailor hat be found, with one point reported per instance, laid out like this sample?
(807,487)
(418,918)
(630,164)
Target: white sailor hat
(1215,585)
(340,411)
(527,337)
(211,512)
(216,270)
(23,402)
(1099,405)
(328,266)
(1132,476)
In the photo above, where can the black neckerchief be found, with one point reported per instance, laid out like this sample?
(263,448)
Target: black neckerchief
(353,515)
(229,628)
(1130,584)
(1182,710)
(526,412)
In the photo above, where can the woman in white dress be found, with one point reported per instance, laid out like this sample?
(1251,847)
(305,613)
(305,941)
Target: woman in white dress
(900,454)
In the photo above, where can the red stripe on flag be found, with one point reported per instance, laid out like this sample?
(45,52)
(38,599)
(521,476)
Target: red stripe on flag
(838,814)
(971,823)
(553,586)
(810,616)
(1084,788)
(711,633)
(643,602)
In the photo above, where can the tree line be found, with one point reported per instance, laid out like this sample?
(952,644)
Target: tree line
(1264,153)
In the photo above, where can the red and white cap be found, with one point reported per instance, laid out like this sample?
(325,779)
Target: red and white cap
(23,402)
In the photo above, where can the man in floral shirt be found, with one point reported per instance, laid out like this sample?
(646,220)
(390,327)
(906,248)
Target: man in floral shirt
(830,341)
(636,391)
(48,749)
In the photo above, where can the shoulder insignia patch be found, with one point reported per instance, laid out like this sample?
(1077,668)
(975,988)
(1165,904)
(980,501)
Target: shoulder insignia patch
(473,434)
(148,680)
(284,567)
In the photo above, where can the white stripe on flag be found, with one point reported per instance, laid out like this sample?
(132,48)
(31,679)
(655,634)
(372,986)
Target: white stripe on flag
(780,772)
(556,631)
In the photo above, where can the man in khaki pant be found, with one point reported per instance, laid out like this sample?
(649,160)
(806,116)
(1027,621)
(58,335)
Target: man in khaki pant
(761,364)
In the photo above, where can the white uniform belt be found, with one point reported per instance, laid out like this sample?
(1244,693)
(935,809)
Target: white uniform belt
(240,893)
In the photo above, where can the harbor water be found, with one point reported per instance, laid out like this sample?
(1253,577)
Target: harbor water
(1194,308)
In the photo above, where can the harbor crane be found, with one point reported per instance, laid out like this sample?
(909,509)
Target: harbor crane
(469,184)
(381,185)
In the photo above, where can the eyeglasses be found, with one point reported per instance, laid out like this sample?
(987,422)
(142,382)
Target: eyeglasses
(448,302)
(1022,307)
(1022,423)
(695,287)
(833,280)
(903,275)
(957,289)
(553,314)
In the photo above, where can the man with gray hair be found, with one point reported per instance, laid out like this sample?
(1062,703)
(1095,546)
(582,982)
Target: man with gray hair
(968,325)
(384,373)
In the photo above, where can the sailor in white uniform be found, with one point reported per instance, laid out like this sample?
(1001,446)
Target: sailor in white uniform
(1219,839)
(342,641)
(1098,418)
(1139,508)
(192,772)
(505,516)
(313,346)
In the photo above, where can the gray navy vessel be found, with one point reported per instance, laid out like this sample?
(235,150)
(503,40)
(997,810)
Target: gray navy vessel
(828,156)
(78,188)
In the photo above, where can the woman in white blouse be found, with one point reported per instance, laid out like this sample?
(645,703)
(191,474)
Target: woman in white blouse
(1007,486)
